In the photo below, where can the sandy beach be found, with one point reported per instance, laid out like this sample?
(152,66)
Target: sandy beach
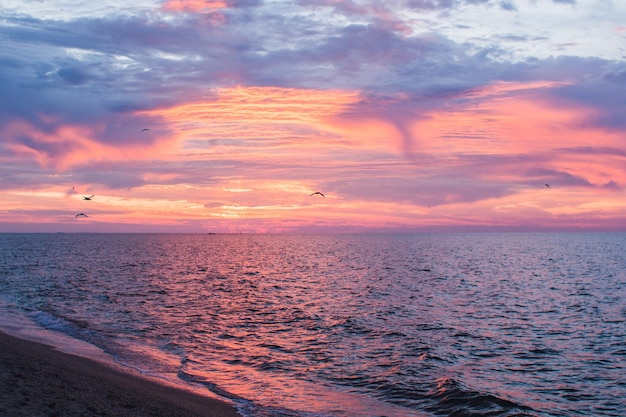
(37,380)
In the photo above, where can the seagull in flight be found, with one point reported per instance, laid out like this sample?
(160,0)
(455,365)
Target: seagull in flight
(145,129)
(81,215)
(317,192)
(88,198)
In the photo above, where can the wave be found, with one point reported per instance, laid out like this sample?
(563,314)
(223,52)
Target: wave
(452,398)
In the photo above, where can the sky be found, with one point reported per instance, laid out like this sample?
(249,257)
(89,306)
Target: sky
(225,116)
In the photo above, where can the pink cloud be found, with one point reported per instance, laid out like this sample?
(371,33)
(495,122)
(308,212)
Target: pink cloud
(62,146)
(193,5)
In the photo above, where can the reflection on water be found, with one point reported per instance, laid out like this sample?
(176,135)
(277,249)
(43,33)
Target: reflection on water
(472,324)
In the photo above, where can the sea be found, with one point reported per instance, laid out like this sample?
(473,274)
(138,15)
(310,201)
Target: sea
(363,325)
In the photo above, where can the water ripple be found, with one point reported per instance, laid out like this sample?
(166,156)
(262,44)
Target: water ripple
(404,325)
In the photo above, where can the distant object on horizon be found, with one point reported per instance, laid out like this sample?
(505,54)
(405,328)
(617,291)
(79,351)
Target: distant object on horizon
(317,192)
(547,185)
(145,129)
(88,198)
(81,215)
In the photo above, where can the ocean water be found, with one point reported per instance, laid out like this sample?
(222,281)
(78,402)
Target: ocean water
(344,325)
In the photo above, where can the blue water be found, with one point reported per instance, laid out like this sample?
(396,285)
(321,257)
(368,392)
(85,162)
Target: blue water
(349,325)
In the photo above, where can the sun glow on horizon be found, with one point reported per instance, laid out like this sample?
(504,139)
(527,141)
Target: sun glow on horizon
(248,158)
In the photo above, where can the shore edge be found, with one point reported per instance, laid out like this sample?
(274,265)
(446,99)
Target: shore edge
(36,379)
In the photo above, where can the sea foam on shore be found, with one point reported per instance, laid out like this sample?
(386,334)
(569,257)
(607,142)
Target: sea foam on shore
(36,380)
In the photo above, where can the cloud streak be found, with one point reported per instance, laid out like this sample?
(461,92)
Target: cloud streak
(406,113)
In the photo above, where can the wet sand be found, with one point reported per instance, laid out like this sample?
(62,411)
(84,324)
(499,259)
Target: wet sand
(36,380)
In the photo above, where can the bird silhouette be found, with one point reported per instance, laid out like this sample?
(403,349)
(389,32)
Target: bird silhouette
(88,198)
(81,215)
(547,185)
(317,192)
(145,129)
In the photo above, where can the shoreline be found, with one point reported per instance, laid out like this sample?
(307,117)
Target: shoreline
(37,380)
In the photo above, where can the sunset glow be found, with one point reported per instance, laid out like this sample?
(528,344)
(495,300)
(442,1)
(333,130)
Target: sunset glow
(186,122)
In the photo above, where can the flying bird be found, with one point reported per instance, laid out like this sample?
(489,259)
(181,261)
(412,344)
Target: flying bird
(88,198)
(547,185)
(317,192)
(145,129)
(81,215)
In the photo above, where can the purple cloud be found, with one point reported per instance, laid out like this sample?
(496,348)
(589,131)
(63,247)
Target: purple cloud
(408,60)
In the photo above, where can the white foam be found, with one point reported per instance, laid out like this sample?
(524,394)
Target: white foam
(41,327)
(15,322)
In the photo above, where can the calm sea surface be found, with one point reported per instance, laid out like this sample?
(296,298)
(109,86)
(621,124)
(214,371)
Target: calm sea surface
(350,325)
